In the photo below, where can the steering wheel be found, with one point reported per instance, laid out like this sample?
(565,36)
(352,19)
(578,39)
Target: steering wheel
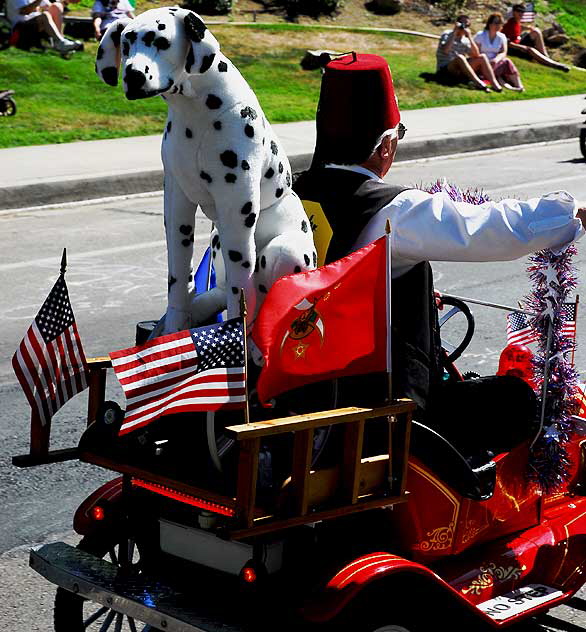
(457,307)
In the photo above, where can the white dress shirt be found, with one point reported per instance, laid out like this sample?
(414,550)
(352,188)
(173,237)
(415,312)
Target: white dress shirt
(432,227)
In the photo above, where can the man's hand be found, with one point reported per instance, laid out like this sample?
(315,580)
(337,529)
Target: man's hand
(581,213)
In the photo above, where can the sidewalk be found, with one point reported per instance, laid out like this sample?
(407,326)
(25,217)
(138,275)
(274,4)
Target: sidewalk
(48,174)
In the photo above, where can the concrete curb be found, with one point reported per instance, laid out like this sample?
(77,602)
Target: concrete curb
(76,190)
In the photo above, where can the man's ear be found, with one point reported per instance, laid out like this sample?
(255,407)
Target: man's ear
(385,146)
(203,46)
(108,55)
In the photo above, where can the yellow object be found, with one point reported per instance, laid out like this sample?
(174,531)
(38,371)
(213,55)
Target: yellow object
(322,231)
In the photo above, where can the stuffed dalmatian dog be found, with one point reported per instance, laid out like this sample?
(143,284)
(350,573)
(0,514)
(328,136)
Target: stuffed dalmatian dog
(219,152)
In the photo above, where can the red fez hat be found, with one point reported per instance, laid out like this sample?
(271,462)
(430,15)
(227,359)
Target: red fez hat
(357,104)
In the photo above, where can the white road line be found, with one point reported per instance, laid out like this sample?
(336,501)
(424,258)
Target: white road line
(91,253)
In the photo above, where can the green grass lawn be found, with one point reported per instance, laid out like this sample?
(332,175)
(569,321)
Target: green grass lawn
(62,100)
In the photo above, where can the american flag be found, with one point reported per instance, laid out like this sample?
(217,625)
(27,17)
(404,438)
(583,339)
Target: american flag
(569,316)
(194,370)
(519,330)
(529,14)
(50,363)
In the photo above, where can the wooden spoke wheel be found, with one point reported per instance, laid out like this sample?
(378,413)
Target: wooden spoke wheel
(73,613)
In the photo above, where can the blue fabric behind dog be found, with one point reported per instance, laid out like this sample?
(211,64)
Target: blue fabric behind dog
(201,277)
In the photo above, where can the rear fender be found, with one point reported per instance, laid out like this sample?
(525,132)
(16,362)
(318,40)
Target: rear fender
(108,497)
(382,573)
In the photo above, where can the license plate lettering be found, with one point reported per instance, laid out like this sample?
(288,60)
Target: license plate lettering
(516,601)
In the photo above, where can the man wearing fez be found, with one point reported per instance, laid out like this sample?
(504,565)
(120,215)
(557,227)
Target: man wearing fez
(358,129)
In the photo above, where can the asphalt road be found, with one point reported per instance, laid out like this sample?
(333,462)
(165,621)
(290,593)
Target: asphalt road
(117,276)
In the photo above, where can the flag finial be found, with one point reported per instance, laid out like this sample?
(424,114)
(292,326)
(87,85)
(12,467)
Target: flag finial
(64,261)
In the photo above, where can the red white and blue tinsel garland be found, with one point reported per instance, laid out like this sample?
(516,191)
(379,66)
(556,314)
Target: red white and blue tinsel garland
(554,278)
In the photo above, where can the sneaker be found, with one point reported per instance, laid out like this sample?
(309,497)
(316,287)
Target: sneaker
(65,46)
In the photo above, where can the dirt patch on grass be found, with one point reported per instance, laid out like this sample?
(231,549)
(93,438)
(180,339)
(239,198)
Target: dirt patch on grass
(248,41)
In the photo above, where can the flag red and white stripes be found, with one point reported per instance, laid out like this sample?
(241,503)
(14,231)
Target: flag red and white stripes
(520,332)
(50,362)
(195,370)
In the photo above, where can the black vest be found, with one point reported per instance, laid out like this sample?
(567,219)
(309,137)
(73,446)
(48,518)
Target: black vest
(350,200)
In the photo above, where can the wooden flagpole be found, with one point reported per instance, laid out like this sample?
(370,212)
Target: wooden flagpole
(243,313)
(389,317)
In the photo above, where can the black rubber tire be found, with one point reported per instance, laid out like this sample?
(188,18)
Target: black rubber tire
(10,108)
(583,141)
(68,612)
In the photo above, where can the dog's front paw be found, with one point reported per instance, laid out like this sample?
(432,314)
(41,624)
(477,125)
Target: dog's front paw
(205,306)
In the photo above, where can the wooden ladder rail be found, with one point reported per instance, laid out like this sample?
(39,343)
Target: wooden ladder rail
(249,438)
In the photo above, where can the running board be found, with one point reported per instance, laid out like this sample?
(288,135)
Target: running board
(141,598)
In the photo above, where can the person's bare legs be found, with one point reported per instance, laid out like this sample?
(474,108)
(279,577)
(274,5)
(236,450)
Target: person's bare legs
(482,65)
(47,26)
(55,10)
(459,66)
(538,43)
(537,56)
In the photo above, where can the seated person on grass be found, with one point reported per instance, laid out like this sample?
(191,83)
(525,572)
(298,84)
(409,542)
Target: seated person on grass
(104,12)
(528,44)
(458,57)
(39,17)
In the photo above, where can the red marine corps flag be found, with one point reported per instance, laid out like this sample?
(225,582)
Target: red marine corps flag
(326,323)
(50,363)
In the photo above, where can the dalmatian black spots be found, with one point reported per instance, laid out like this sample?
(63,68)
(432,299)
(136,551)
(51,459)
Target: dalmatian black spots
(161,27)
(262,288)
(189,60)
(146,69)
(173,11)
(297,269)
(206,63)
(263,262)
(274,148)
(131,36)
(279,192)
(245,166)
(190,278)
(230,178)
(218,125)
(215,241)
(246,264)
(161,43)
(100,53)
(235,255)
(248,112)
(245,210)
(250,220)
(185,229)
(256,266)
(234,290)
(213,102)
(281,168)
(169,126)
(187,242)
(115,35)
(288,179)
(223,66)
(206,176)
(304,226)
(148,38)
(229,159)
(214,254)
(194,28)
(175,90)
(188,133)
(314,259)
(110,75)
(249,130)
(170,282)
(306,259)
(270,173)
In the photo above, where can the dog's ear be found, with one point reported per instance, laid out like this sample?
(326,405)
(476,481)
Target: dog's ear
(108,55)
(203,46)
